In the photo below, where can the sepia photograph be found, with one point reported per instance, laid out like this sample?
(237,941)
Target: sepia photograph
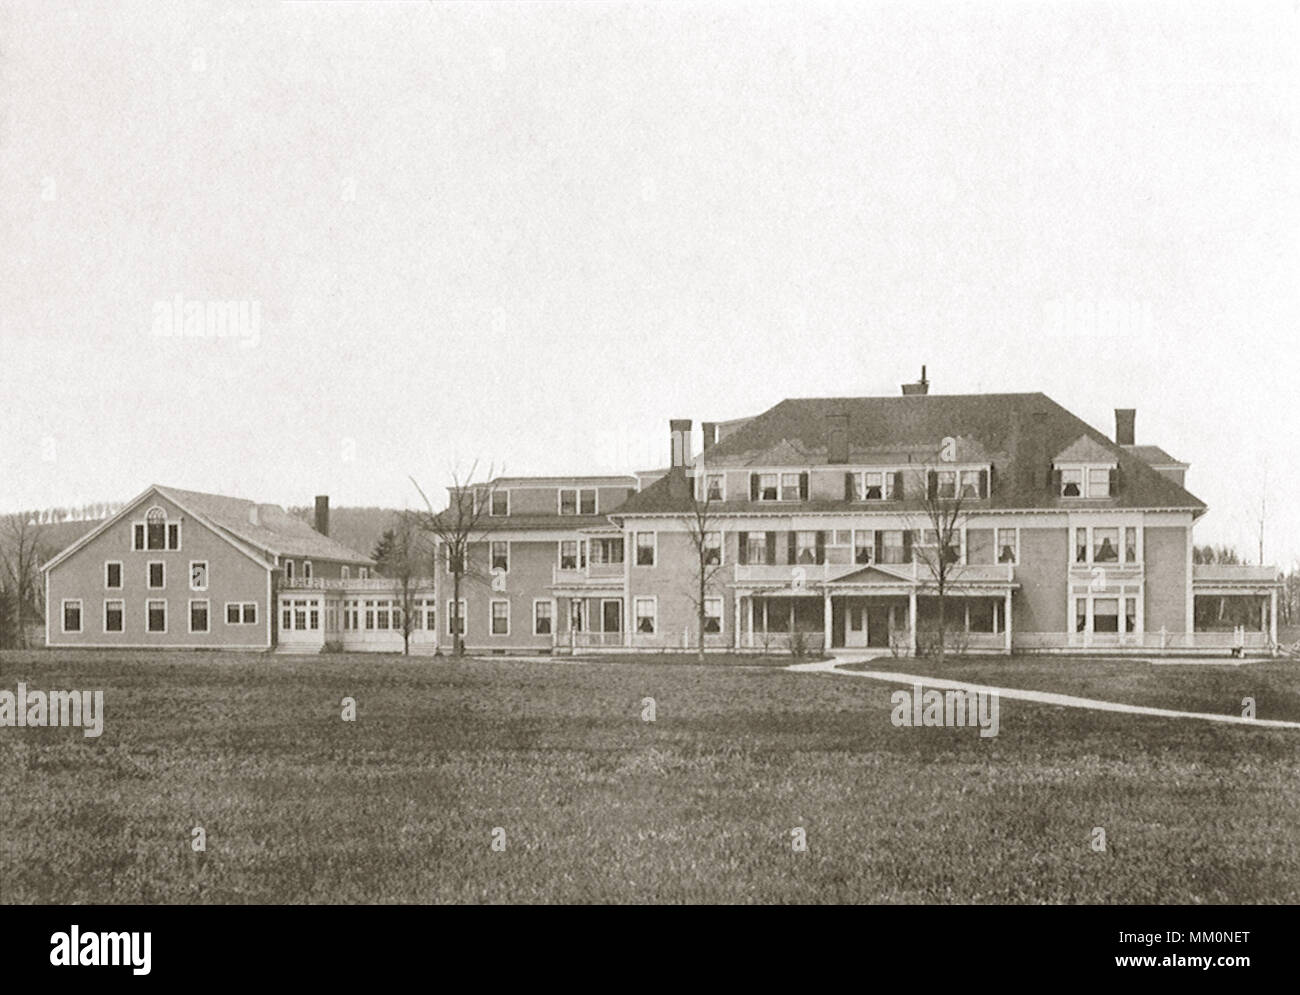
(650,454)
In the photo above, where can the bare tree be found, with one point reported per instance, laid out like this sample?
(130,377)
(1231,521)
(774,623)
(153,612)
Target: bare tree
(406,552)
(702,528)
(941,518)
(22,548)
(455,530)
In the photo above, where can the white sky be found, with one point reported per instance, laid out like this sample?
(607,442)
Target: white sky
(532,234)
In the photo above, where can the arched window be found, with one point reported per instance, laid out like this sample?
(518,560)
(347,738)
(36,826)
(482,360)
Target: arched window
(156,528)
(306,569)
(346,573)
(288,569)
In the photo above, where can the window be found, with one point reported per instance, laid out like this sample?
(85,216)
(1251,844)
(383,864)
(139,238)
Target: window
(288,569)
(345,572)
(575,501)
(1105,615)
(790,490)
(300,615)
(1080,545)
(645,549)
(1071,483)
(156,528)
(839,546)
(232,613)
(306,569)
(862,546)
(430,615)
(1105,545)
(113,575)
(114,616)
(573,554)
(604,550)
(645,615)
(805,547)
(500,618)
(767,486)
(72,615)
(500,505)
(970,483)
(156,616)
(137,536)
(894,546)
(947,484)
(369,615)
(501,556)
(715,487)
(456,619)
(198,575)
(249,612)
(173,536)
(869,486)
(543,616)
(1080,614)
(1130,545)
(198,616)
(157,574)
(1130,614)
(381,614)
(712,616)
(712,543)
(1008,545)
(363,572)
(1098,482)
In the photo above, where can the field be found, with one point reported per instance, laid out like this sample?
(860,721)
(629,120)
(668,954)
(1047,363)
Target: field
(598,805)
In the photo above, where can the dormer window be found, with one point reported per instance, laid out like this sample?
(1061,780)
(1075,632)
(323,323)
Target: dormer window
(500,504)
(714,487)
(155,532)
(1086,481)
(1071,483)
(947,484)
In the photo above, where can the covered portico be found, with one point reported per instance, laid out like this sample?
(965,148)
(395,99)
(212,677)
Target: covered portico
(880,607)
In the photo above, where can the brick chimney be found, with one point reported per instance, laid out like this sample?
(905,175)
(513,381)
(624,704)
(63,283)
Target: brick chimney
(922,386)
(1124,419)
(710,435)
(680,438)
(323,514)
(837,438)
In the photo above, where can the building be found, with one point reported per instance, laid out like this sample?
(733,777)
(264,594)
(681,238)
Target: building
(827,522)
(184,569)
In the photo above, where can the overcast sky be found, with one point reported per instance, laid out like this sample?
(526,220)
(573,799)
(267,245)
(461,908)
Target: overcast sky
(531,234)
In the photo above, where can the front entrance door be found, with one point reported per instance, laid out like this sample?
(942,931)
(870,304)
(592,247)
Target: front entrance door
(857,619)
(611,616)
(877,626)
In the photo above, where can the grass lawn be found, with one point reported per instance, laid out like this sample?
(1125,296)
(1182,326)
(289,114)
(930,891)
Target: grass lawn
(598,805)
(1198,687)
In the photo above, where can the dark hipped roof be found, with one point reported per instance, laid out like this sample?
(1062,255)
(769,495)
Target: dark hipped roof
(1153,455)
(901,429)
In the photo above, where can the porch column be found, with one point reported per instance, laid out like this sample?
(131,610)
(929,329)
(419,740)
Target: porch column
(1006,621)
(1272,617)
(735,636)
(826,622)
(911,621)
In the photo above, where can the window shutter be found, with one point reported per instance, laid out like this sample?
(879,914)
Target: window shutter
(878,547)
(907,545)
(1114,482)
(992,470)
(790,550)
(932,485)
(753,487)
(849,491)
(898,485)
(1056,482)
(984,483)
(742,553)
(769,541)
(821,547)
(803,486)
